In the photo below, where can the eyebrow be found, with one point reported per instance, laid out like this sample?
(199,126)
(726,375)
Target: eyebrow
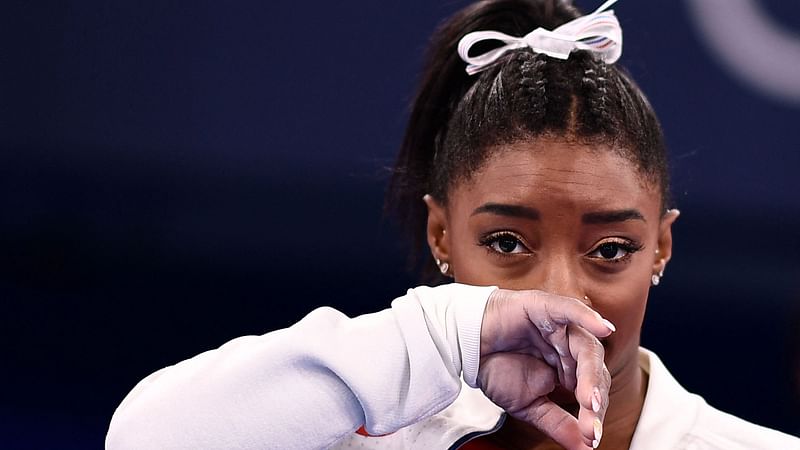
(604,217)
(501,209)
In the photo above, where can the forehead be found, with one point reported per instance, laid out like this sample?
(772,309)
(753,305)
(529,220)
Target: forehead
(567,175)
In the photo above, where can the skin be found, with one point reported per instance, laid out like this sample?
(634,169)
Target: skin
(538,216)
(533,341)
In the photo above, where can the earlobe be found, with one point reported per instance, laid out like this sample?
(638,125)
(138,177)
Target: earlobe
(663,251)
(438,239)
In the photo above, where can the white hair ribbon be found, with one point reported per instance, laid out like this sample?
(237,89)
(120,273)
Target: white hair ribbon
(598,32)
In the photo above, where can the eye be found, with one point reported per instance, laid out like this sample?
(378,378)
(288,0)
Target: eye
(615,250)
(505,243)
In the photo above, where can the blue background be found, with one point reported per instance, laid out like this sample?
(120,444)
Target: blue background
(175,174)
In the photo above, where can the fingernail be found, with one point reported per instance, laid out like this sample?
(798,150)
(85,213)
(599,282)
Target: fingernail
(609,325)
(597,400)
(598,432)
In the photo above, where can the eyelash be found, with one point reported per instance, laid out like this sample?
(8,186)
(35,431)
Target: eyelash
(490,239)
(628,246)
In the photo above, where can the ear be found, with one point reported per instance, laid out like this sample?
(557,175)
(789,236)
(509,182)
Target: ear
(664,250)
(438,238)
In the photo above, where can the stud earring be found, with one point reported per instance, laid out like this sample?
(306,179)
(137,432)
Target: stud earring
(655,280)
(444,266)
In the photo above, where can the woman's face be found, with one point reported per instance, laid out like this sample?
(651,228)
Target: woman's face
(566,218)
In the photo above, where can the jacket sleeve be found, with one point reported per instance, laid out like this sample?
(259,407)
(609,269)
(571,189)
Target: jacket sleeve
(309,385)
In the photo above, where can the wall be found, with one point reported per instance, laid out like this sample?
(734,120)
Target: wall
(177,174)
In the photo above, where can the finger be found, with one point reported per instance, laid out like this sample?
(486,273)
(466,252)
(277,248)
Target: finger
(539,346)
(507,328)
(593,382)
(514,380)
(555,422)
(566,365)
(519,383)
(553,328)
(546,310)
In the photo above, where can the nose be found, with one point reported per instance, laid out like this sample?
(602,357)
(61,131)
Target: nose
(560,274)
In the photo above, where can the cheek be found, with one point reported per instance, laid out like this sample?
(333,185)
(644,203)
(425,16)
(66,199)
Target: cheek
(624,299)
(476,272)
(472,264)
(625,308)
(624,304)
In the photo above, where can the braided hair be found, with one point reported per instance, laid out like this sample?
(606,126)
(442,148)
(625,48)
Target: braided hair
(457,120)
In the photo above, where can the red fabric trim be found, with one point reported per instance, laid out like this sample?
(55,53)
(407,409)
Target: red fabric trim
(475,444)
(363,432)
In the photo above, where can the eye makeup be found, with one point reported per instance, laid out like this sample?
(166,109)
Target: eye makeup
(614,250)
(505,244)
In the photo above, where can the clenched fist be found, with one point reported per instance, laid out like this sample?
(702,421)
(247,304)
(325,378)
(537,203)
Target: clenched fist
(532,341)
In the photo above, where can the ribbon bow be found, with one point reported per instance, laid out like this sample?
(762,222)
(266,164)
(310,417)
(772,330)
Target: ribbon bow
(598,32)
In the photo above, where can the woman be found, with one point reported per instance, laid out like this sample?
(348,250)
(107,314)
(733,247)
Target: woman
(541,175)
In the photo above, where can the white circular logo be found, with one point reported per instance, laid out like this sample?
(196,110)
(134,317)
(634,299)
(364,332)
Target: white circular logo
(755,48)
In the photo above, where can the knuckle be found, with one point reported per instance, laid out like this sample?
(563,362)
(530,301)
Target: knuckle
(547,379)
(605,375)
(590,343)
(598,348)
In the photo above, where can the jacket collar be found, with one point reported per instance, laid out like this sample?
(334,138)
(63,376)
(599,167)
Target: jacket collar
(669,411)
(472,414)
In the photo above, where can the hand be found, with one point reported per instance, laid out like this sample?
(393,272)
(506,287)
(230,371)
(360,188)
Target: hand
(531,340)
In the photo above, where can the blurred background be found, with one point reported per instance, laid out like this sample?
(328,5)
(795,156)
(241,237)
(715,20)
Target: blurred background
(176,174)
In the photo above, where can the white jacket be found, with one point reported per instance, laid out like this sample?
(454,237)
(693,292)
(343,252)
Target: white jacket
(396,372)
